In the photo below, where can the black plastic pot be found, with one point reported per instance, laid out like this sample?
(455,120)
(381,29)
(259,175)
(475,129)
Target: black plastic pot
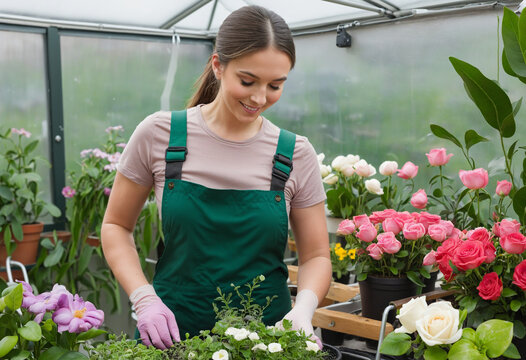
(344,279)
(430,283)
(354,354)
(332,337)
(334,352)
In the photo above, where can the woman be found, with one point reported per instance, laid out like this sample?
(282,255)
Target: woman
(226,180)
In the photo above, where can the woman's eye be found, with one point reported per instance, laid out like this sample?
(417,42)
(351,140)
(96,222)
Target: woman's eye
(274,87)
(246,83)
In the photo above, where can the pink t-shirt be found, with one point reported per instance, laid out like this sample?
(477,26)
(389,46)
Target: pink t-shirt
(218,163)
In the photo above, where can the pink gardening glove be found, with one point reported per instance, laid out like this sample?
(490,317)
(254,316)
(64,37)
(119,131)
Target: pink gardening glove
(301,314)
(155,322)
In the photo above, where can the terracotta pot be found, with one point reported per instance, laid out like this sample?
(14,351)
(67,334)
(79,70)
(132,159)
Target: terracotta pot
(63,235)
(93,240)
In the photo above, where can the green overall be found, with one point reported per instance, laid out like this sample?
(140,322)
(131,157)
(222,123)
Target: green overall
(215,237)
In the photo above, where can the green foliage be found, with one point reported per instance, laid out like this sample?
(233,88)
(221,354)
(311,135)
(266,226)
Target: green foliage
(119,347)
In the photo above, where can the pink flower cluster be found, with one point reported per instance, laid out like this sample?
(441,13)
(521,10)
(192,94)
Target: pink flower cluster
(21,131)
(68,192)
(70,312)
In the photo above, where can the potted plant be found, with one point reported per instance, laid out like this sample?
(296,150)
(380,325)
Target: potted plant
(438,335)
(21,202)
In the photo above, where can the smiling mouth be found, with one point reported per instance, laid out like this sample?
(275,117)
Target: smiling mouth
(249,108)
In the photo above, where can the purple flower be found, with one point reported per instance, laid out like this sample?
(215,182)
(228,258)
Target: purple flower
(47,301)
(85,152)
(100,154)
(107,191)
(76,315)
(28,297)
(114,128)
(22,132)
(68,192)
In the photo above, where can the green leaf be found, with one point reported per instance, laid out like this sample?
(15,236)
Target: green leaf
(465,349)
(90,334)
(13,300)
(30,147)
(507,68)
(507,292)
(469,334)
(6,193)
(512,46)
(73,355)
(396,344)
(415,278)
(442,133)
(52,210)
(437,193)
(471,137)
(53,353)
(54,256)
(511,150)
(495,335)
(519,330)
(435,353)
(469,303)
(19,354)
(517,106)
(7,344)
(515,305)
(512,352)
(30,331)
(519,203)
(492,101)
(361,277)
(402,253)
(393,270)
(85,257)
(46,243)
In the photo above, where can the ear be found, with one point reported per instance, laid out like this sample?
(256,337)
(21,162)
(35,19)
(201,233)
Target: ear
(217,67)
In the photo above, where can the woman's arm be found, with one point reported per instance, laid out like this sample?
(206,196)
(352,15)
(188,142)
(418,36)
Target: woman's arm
(124,206)
(312,241)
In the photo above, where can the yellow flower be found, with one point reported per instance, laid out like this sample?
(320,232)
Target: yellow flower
(352,254)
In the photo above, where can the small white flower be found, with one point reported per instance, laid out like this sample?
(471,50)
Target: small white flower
(339,162)
(388,168)
(274,347)
(348,170)
(330,179)
(259,346)
(220,355)
(325,170)
(238,334)
(321,157)
(374,186)
(363,169)
(253,336)
(312,346)
(191,355)
(231,331)
(352,159)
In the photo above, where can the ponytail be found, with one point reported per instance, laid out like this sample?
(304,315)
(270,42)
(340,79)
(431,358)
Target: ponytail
(207,87)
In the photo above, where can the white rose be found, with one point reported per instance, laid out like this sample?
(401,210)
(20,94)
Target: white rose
(242,334)
(339,162)
(325,170)
(231,331)
(363,169)
(321,157)
(330,179)
(274,347)
(388,168)
(312,346)
(439,324)
(259,346)
(348,170)
(253,336)
(220,355)
(352,159)
(372,170)
(410,312)
(374,186)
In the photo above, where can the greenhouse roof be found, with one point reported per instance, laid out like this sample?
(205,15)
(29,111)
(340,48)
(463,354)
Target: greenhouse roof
(202,17)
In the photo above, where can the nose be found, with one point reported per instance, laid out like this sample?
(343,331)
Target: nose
(259,96)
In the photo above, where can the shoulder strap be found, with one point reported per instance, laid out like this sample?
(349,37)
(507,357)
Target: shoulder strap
(176,151)
(282,160)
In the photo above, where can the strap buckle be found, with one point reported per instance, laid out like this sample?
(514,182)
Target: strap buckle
(277,173)
(282,159)
(172,154)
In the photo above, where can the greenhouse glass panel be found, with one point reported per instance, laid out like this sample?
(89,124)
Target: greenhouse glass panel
(377,98)
(23,94)
(109,81)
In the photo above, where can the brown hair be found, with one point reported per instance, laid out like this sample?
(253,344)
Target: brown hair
(244,31)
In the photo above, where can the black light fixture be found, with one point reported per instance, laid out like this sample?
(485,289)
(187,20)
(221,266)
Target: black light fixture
(343,38)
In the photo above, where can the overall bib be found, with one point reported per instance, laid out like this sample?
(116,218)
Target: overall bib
(215,237)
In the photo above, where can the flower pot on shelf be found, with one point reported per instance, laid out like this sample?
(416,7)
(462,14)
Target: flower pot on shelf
(344,279)
(430,284)
(63,235)
(93,240)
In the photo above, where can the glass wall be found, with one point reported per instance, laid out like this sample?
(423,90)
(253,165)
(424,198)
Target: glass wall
(23,93)
(111,80)
(378,97)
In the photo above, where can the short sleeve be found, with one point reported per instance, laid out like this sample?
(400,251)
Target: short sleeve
(308,186)
(135,161)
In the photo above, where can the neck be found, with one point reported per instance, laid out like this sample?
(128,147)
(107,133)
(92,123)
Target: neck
(224,124)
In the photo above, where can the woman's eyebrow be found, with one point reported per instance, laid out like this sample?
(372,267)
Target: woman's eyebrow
(256,77)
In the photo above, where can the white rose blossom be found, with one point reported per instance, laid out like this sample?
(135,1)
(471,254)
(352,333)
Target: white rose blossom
(330,179)
(374,186)
(439,324)
(388,168)
(321,157)
(312,346)
(352,159)
(325,170)
(348,170)
(339,162)
(259,346)
(274,347)
(410,312)
(364,169)
(253,336)
(220,355)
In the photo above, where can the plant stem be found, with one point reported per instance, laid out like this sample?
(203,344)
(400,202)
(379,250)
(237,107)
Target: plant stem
(441,182)
(508,165)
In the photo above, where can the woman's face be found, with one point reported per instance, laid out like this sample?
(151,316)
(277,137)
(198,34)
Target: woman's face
(252,83)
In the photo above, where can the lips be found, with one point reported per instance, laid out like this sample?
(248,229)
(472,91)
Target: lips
(250,109)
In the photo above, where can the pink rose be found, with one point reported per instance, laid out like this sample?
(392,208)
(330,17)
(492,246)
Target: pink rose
(430,258)
(427,219)
(408,171)
(448,225)
(419,199)
(359,220)
(474,179)
(438,157)
(513,243)
(489,251)
(375,251)
(506,227)
(479,234)
(490,287)
(437,232)
(379,216)
(367,232)
(346,227)
(414,231)
(469,255)
(405,217)
(448,248)
(393,225)
(519,275)
(503,188)
(388,243)
(456,233)
(445,268)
